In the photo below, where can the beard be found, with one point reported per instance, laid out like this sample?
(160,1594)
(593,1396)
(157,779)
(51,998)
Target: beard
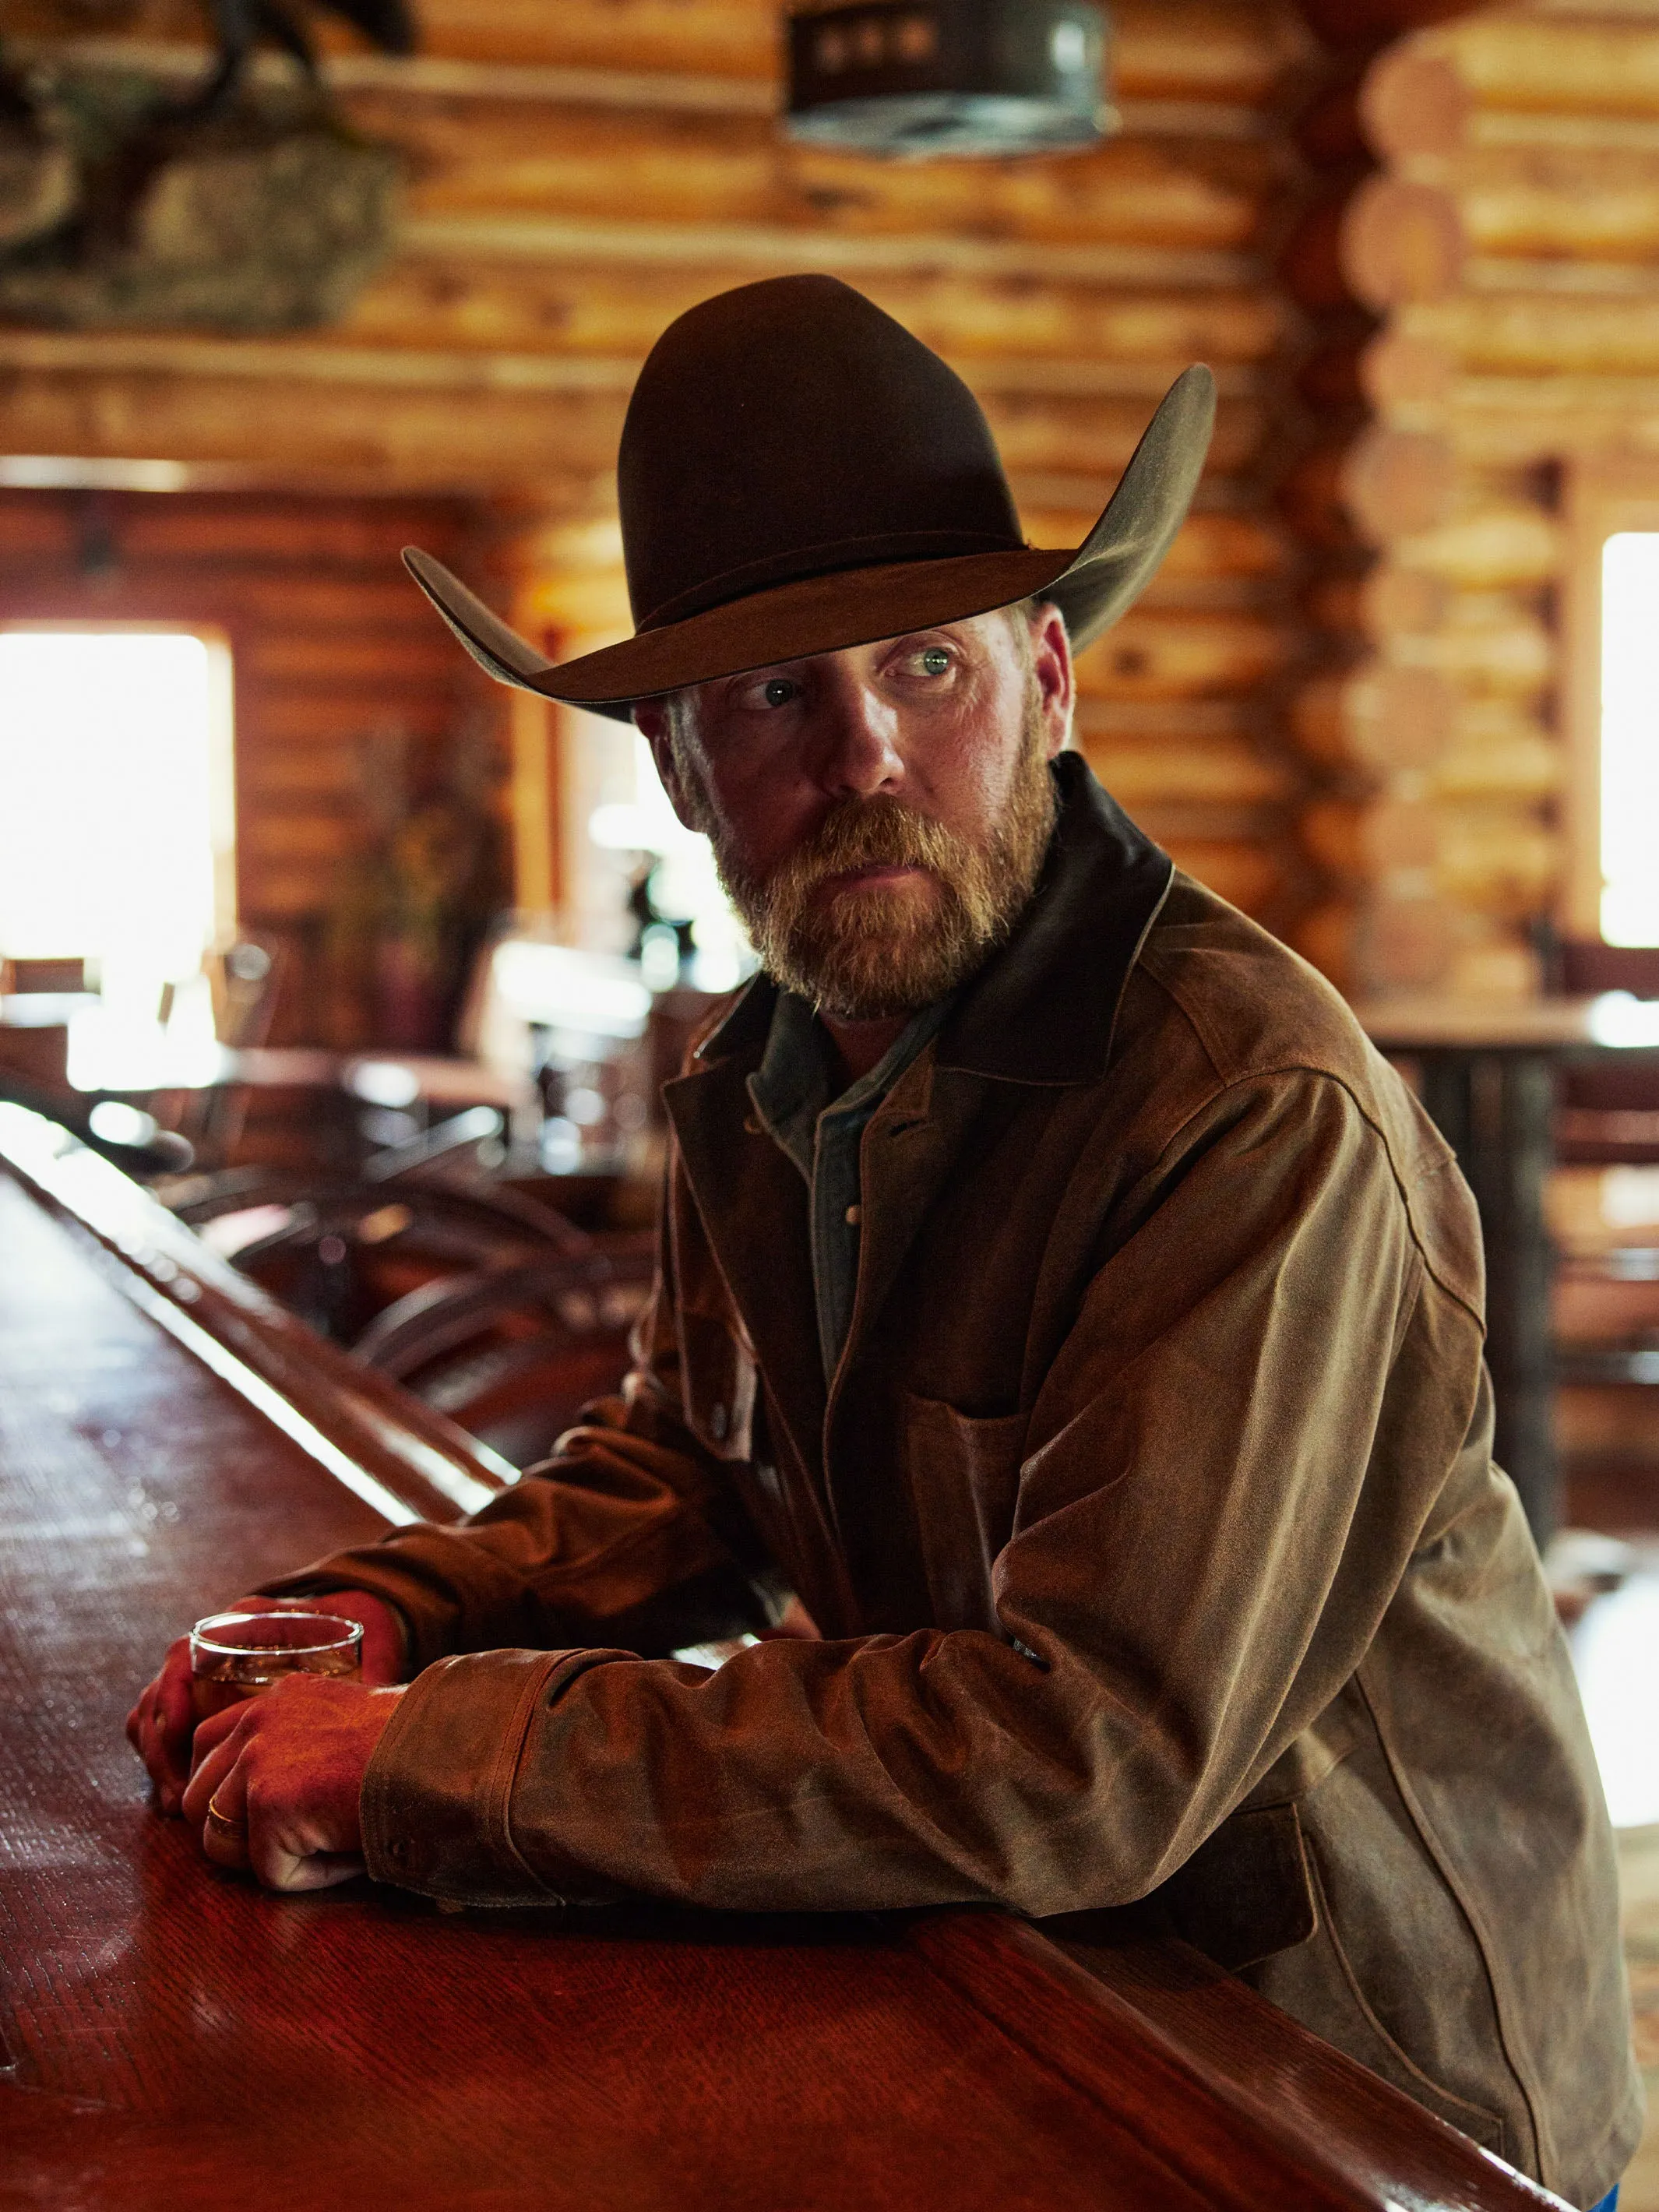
(869,953)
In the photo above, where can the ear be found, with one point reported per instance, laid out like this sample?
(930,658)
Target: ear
(651,719)
(1051,663)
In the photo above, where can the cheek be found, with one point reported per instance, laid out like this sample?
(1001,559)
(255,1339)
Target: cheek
(966,777)
(759,813)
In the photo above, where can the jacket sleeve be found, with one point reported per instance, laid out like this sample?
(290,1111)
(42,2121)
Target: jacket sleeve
(630,1534)
(1226,1472)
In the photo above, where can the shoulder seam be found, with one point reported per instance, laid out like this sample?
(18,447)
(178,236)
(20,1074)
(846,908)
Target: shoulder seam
(1266,1074)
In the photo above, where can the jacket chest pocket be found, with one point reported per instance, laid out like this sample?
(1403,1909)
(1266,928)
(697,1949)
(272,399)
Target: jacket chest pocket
(717,1386)
(962,1475)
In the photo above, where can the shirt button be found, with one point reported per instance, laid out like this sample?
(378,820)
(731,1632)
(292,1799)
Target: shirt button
(854,1215)
(717,1423)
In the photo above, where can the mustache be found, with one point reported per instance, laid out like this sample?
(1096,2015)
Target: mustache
(867,833)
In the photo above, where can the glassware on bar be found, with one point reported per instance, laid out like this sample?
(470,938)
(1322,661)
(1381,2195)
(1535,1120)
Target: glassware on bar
(234,1655)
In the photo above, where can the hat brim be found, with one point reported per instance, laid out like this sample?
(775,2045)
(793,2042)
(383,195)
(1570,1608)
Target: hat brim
(1092,587)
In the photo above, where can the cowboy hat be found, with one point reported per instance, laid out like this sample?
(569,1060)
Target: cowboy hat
(799,474)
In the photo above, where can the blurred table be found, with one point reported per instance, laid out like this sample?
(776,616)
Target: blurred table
(1487,1076)
(176,2041)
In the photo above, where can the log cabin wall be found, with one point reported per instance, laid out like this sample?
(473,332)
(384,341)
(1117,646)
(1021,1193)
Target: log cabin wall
(1333,704)
(578,174)
(347,695)
(1505,248)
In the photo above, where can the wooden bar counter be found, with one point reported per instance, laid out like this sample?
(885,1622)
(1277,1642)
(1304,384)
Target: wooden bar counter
(175,2039)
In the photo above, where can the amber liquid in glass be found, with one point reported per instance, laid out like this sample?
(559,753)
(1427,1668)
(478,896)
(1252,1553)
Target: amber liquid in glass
(228,1680)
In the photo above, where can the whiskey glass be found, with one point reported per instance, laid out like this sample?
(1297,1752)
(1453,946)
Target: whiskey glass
(236,1656)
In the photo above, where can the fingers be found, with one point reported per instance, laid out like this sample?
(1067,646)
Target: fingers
(224,1813)
(160,1724)
(216,1762)
(276,1782)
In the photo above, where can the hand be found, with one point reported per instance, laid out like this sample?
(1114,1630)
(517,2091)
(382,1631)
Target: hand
(276,1780)
(160,1725)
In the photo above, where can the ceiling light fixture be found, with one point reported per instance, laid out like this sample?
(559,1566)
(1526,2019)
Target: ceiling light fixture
(920,77)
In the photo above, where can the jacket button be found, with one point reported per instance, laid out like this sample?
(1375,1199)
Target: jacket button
(751,1127)
(854,1215)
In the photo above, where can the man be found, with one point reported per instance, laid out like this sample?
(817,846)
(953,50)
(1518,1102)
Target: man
(1058,1297)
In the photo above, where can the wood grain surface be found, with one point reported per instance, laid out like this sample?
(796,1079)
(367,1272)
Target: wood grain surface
(173,2037)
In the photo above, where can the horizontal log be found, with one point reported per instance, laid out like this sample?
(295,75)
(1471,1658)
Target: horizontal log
(1489,648)
(1266,828)
(1491,549)
(1580,203)
(1533,334)
(1497,861)
(1413,102)
(427,655)
(1194,51)
(1157,655)
(271,718)
(1171,721)
(1383,840)
(1521,762)
(1538,63)
(180,535)
(610,313)
(240,430)
(1251,877)
(1226,774)
(1496,426)
(1401,240)
(1490,859)
(1376,945)
(1399,482)
(1398,600)
(1379,717)
(1350,27)
(1313,498)
(656,174)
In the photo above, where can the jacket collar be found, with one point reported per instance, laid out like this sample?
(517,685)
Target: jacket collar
(1043,1007)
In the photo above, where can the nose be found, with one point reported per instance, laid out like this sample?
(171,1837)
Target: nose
(857,750)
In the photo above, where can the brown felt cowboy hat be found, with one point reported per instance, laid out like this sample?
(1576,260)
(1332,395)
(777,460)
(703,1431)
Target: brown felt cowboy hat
(799,474)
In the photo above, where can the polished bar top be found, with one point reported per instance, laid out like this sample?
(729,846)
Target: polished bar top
(173,2037)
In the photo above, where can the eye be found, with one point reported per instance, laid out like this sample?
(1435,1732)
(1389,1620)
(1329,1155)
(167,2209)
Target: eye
(935,659)
(779,690)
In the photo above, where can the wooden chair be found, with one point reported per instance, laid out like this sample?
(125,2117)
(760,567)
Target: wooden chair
(512,1355)
(338,1254)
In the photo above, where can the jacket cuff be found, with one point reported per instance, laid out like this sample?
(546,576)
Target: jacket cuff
(437,1795)
(445,1589)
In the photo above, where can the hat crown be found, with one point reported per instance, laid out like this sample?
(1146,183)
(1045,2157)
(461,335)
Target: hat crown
(790,428)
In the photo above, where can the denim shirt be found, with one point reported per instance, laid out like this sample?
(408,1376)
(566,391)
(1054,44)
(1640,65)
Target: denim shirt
(791,1093)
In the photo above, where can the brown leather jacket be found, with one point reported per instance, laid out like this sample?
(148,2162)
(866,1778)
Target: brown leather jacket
(1150,1522)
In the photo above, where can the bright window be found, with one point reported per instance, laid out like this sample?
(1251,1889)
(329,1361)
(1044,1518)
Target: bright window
(115,816)
(1630,737)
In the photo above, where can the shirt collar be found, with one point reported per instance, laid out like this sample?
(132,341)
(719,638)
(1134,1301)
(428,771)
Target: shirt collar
(794,1085)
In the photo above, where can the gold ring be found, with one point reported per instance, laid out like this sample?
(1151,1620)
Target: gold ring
(224,1822)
